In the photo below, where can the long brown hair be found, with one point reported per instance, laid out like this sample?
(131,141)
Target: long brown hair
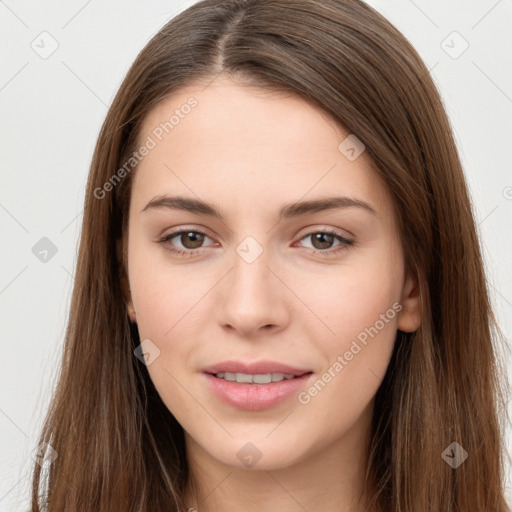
(118,447)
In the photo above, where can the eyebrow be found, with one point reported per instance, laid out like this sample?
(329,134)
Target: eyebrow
(288,211)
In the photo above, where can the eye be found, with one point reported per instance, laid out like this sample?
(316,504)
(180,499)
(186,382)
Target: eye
(192,241)
(322,241)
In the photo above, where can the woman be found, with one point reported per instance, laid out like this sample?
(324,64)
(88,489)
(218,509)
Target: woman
(280,300)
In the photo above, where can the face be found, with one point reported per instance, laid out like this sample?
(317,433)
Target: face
(313,292)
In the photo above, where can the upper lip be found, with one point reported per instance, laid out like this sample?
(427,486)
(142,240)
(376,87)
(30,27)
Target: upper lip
(254,368)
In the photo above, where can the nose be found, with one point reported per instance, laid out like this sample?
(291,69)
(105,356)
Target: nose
(254,300)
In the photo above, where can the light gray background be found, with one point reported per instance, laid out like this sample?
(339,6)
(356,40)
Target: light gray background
(52,110)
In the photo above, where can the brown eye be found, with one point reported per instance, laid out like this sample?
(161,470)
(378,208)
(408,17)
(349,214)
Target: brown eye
(191,239)
(184,242)
(322,240)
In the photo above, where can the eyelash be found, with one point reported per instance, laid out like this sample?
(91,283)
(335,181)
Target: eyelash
(345,242)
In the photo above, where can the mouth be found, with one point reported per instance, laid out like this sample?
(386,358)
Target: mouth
(255,386)
(258,378)
(256,371)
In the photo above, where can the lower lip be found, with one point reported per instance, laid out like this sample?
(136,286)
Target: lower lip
(255,397)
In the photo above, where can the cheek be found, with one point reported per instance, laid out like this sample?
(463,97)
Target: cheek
(353,297)
(363,315)
(171,314)
(165,295)
(168,314)
(359,304)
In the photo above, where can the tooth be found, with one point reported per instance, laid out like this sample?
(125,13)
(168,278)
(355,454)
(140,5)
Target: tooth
(243,377)
(263,379)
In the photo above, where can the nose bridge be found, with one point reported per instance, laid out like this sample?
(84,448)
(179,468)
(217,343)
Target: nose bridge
(251,298)
(250,277)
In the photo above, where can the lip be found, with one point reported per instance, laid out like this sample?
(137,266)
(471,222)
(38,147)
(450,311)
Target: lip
(255,397)
(254,368)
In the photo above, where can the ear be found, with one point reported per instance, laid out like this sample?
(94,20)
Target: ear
(125,285)
(409,318)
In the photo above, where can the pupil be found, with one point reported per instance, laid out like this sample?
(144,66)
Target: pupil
(197,239)
(324,244)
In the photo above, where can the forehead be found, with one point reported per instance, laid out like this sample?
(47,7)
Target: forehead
(243,117)
(242,146)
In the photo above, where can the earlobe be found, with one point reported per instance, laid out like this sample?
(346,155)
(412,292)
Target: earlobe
(131,313)
(128,297)
(409,318)
(125,286)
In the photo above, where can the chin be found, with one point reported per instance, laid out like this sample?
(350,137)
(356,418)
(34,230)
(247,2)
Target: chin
(259,454)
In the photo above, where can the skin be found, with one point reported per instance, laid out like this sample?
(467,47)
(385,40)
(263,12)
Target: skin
(249,152)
